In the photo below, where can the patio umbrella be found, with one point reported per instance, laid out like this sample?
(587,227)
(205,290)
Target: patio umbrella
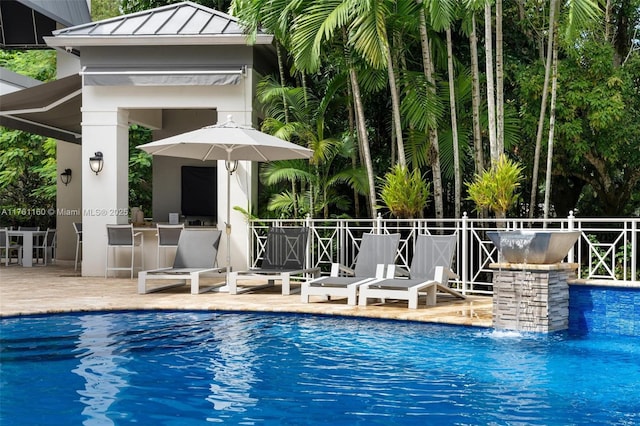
(230,142)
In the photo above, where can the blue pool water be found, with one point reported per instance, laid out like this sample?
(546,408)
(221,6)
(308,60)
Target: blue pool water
(191,368)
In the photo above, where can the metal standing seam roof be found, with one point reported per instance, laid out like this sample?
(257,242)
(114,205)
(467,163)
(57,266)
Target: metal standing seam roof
(65,12)
(179,23)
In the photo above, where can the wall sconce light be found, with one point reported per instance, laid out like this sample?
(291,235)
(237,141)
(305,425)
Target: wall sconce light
(65,176)
(96,162)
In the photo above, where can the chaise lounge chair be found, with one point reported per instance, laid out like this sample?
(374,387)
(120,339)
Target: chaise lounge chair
(430,271)
(375,250)
(196,255)
(284,259)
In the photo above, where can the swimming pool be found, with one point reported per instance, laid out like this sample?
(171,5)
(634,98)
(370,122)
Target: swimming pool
(188,368)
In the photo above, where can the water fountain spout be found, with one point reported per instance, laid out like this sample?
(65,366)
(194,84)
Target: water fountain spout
(533,246)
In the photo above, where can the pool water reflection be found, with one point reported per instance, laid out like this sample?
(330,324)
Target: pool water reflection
(197,367)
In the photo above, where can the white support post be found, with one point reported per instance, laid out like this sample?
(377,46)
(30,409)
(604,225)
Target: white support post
(105,196)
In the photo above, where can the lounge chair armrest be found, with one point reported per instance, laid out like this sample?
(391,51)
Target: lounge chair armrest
(451,275)
(391,271)
(401,272)
(339,270)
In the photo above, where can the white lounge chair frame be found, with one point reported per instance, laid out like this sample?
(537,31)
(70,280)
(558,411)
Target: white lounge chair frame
(376,251)
(284,259)
(430,272)
(196,255)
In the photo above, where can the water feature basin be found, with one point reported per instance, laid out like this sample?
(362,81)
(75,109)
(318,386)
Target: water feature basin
(533,246)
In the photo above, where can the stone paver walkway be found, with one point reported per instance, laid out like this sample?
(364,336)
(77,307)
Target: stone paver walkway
(58,288)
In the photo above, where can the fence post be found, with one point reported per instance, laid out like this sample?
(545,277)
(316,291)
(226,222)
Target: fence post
(309,225)
(571,225)
(635,255)
(340,245)
(464,250)
(379,224)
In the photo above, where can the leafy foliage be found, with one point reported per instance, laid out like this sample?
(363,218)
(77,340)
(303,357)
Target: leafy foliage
(140,170)
(496,188)
(27,162)
(27,179)
(405,193)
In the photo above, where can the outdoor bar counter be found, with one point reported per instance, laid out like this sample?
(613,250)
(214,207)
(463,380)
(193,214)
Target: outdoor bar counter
(150,249)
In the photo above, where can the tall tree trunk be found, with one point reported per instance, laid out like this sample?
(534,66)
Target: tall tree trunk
(499,81)
(552,121)
(285,107)
(364,140)
(491,98)
(395,102)
(356,153)
(394,147)
(454,127)
(475,98)
(285,104)
(434,155)
(543,110)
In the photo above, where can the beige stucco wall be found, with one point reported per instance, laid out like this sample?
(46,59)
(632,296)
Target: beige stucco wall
(68,199)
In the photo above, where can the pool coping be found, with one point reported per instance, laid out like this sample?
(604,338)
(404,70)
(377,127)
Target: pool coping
(59,289)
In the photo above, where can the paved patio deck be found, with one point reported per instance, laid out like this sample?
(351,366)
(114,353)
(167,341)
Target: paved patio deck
(58,288)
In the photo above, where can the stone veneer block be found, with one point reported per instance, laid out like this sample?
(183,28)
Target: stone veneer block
(531,297)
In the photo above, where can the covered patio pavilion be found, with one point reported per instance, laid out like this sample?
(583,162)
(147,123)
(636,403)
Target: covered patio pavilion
(171,69)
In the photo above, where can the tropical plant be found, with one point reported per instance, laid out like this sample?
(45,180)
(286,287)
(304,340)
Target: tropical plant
(140,170)
(497,188)
(28,162)
(27,179)
(405,193)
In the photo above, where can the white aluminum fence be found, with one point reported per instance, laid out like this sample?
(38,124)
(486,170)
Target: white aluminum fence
(607,248)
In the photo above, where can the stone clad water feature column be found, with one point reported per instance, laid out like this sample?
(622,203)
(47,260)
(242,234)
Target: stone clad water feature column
(531,297)
(530,284)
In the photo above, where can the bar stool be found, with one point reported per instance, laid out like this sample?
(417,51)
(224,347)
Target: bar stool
(6,247)
(122,236)
(47,246)
(168,236)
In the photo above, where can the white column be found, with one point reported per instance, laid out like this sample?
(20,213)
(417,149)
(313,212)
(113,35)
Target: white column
(105,197)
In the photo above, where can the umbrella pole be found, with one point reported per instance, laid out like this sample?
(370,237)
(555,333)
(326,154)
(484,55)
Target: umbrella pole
(228,223)
(231,167)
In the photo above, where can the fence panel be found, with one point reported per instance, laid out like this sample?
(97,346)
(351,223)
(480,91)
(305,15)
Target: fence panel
(607,248)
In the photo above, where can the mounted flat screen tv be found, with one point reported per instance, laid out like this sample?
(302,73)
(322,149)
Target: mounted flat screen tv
(199,191)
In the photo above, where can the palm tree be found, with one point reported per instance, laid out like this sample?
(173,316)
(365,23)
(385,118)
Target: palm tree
(317,25)
(499,81)
(475,100)
(428,67)
(369,37)
(454,126)
(317,179)
(273,15)
(552,120)
(543,109)
(580,13)
(491,97)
